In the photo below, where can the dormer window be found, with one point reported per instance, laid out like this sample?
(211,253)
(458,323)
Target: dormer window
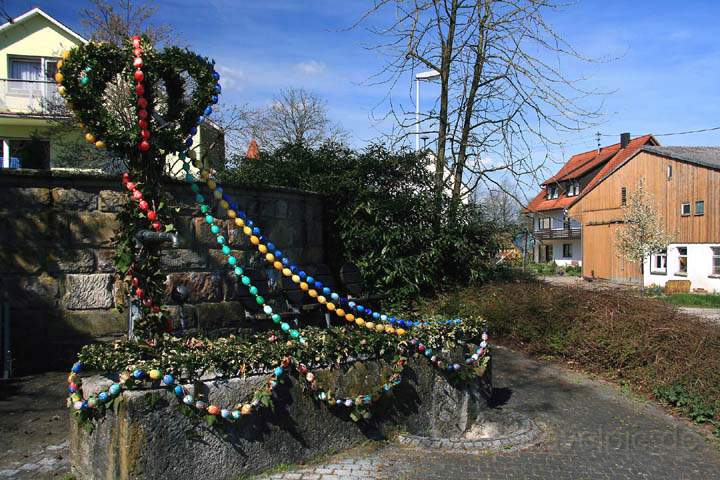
(573,188)
(553,192)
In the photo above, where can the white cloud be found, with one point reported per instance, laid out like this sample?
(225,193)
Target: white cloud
(231,78)
(310,67)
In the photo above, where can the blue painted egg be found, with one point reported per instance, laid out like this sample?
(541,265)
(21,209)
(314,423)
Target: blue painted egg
(103,396)
(179,390)
(77,366)
(326,291)
(138,374)
(168,379)
(278,370)
(114,389)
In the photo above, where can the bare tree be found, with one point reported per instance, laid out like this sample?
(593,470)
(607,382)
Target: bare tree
(642,233)
(295,116)
(499,205)
(114,21)
(503,94)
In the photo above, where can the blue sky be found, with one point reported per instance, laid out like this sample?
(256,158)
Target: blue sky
(664,78)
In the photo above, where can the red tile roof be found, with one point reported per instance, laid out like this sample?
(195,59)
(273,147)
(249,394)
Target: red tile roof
(607,160)
(253,152)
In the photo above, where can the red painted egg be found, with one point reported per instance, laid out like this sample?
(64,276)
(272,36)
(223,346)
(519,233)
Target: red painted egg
(152,215)
(144,146)
(139,76)
(139,89)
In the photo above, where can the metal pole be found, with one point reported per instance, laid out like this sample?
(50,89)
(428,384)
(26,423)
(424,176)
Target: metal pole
(417,114)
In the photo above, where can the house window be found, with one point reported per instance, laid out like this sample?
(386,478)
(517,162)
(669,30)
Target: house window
(26,69)
(553,192)
(715,260)
(573,188)
(700,207)
(623,196)
(683,261)
(544,223)
(658,263)
(567,250)
(669,172)
(548,253)
(685,209)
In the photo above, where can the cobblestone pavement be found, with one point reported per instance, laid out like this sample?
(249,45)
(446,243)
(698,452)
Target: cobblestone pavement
(707,314)
(50,461)
(592,431)
(33,427)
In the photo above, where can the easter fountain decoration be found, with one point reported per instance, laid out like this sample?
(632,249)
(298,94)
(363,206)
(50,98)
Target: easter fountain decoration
(144,105)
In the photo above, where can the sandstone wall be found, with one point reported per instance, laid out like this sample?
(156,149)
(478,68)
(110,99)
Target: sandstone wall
(57,231)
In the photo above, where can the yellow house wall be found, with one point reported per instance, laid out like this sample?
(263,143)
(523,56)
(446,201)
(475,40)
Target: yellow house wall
(34,37)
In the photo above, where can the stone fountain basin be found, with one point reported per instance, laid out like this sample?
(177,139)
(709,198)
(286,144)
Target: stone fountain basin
(152,439)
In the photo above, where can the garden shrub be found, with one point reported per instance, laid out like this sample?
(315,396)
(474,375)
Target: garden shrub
(379,208)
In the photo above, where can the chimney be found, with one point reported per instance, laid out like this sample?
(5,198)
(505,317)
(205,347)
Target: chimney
(624,139)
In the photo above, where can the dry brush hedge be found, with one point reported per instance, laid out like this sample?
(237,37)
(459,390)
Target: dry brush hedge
(619,334)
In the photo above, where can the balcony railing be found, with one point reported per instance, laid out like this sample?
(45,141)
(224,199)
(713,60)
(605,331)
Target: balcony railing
(565,233)
(28,96)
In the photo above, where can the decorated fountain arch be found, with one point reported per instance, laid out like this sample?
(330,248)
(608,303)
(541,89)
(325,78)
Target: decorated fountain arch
(145,105)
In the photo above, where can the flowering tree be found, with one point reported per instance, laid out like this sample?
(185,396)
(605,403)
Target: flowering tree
(642,233)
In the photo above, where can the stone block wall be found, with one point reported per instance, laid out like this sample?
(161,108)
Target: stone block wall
(58,243)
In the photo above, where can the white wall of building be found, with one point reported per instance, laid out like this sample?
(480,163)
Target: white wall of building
(699,267)
(557,253)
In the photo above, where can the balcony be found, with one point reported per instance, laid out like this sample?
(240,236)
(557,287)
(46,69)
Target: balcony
(38,97)
(563,234)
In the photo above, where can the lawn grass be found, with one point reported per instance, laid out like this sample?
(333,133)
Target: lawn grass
(625,337)
(693,300)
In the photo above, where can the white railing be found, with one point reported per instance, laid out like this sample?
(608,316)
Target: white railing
(28,96)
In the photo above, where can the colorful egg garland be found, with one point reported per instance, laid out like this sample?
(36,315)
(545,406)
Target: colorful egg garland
(142,103)
(306,282)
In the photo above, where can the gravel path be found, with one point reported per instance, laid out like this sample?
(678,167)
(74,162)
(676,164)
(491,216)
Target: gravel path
(592,431)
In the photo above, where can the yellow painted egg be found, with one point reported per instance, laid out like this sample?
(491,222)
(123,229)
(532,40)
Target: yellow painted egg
(224,204)
(262,248)
(340,312)
(59,77)
(295,279)
(321,299)
(369,325)
(89,137)
(278,265)
(270,257)
(286,272)
(65,54)
(380,327)
(100,144)
(304,286)
(350,317)
(254,240)
(154,374)
(312,293)
(211,184)
(360,322)
(330,306)
(247,230)
(232,214)
(61,91)
(239,222)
